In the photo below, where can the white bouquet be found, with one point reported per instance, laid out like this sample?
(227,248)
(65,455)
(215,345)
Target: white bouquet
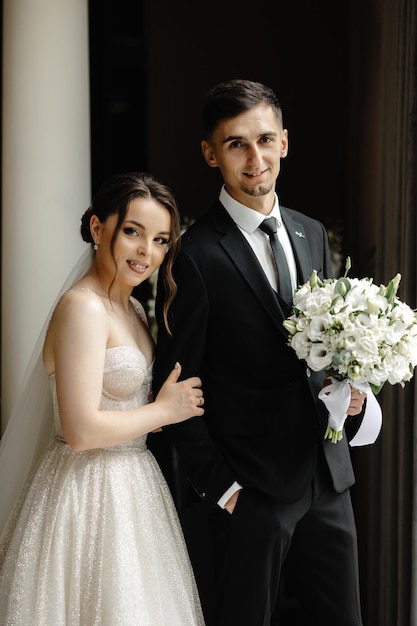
(359,333)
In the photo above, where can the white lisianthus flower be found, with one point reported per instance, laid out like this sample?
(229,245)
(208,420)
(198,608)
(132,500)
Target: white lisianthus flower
(318,357)
(318,326)
(353,329)
(302,345)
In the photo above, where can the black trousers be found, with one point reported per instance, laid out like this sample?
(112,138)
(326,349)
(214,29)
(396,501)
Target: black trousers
(310,544)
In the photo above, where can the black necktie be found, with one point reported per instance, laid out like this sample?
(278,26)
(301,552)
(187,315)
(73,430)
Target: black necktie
(269,226)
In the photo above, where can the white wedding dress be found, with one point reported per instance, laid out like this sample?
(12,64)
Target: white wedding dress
(95,539)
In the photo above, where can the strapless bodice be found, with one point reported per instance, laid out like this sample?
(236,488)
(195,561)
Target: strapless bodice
(126,385)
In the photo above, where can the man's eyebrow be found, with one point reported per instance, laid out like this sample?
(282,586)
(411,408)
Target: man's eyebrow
(269,133)
(233,138)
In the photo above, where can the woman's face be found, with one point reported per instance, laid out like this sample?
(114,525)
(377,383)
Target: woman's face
(141,243)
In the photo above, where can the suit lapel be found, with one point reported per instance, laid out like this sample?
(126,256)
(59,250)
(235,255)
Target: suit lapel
(300,247)
(241,254)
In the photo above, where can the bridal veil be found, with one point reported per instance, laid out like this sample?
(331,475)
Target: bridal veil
(31,426)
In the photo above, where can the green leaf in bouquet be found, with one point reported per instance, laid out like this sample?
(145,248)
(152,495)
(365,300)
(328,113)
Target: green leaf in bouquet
(376,388)
(332,372)
(342,357)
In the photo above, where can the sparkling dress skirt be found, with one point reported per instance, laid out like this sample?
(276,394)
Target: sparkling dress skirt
(95,538)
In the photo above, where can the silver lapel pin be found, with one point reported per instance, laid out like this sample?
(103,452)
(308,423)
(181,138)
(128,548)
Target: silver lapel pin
(297,232)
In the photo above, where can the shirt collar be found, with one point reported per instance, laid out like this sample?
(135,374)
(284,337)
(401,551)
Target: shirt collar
(246,218)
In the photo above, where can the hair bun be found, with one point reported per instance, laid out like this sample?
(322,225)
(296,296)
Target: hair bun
(85,225)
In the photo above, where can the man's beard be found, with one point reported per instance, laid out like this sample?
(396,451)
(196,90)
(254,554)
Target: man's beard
(259,190)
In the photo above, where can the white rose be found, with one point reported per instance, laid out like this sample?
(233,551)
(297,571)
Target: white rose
(376,376)
(403,312)
(395,332)
(313,303)
(408,350)
(398,369)
(302,324)
(366,350)
(357,298)
(362,319)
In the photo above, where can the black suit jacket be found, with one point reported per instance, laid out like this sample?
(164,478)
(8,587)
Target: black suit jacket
(263,421)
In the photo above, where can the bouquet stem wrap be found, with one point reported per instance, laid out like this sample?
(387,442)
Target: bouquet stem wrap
(336,397)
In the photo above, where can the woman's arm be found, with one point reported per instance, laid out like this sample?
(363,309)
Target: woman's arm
(77,339)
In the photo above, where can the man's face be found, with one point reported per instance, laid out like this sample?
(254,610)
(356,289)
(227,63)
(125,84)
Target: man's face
(248,149)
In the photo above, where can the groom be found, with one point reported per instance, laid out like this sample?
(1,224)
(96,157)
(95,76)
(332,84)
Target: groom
(276,490)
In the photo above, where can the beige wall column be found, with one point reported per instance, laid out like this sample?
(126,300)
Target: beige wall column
(45,168)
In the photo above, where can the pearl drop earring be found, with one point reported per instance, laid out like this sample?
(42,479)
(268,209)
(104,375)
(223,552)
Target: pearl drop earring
(95,246)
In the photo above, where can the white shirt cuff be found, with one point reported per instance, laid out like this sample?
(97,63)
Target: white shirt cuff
(228,494)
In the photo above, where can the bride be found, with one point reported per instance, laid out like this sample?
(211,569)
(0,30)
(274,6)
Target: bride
(94,537)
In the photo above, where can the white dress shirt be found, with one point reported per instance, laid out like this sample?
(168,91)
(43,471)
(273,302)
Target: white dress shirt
(248,222)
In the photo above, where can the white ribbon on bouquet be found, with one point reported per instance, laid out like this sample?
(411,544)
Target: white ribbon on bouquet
(336,397)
